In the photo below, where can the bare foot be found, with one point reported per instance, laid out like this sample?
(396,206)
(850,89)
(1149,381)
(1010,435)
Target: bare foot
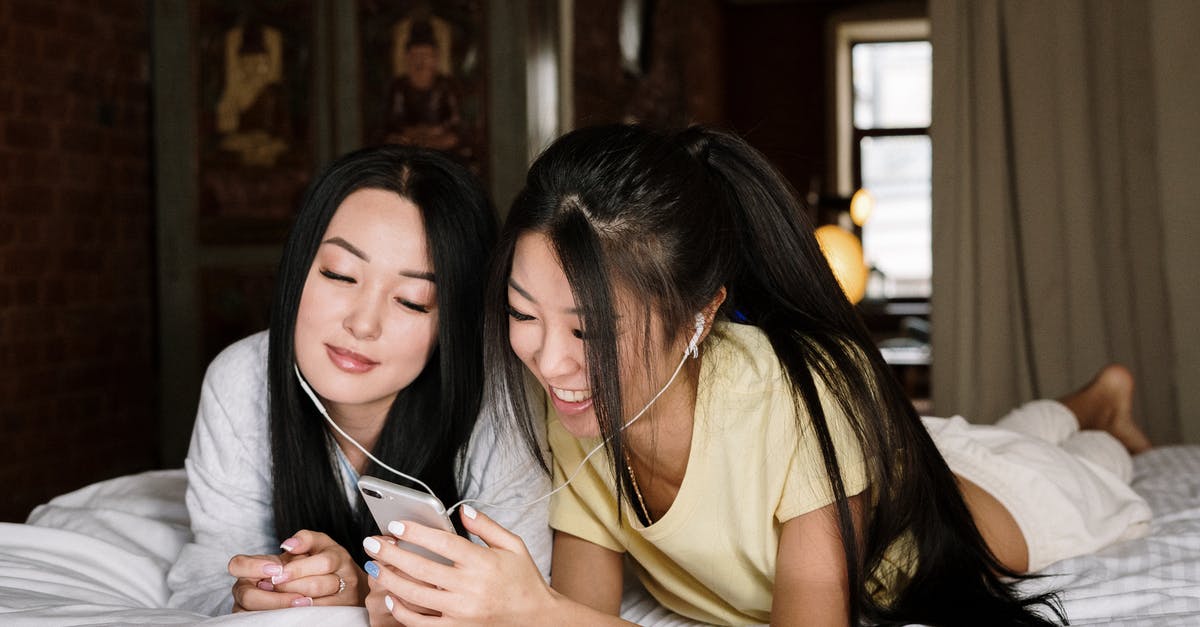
(1106,404)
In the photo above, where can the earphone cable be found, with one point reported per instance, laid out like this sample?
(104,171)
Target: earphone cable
(692,351)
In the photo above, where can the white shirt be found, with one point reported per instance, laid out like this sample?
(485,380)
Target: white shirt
(229,480)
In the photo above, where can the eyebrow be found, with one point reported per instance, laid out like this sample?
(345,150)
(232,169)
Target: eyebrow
(413,274)
(354,250)
(357,252)
(520,290)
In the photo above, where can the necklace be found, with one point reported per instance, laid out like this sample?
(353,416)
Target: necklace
(646,520)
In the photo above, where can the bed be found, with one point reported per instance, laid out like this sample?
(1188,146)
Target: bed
(100,555)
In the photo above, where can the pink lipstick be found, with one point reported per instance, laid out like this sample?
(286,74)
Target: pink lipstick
(350,361)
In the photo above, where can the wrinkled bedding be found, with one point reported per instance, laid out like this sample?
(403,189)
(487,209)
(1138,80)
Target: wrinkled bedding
(100,555)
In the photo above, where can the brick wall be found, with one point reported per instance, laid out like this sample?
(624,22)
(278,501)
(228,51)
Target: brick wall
(77,376)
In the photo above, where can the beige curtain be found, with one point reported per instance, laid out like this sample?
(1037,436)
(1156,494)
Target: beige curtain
(1063,219)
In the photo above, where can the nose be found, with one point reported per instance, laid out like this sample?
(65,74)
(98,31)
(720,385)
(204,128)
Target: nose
(561,355)
(365,319)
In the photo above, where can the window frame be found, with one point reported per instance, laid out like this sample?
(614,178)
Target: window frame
(846,33)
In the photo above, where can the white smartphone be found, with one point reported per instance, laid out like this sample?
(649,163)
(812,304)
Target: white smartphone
(388,501)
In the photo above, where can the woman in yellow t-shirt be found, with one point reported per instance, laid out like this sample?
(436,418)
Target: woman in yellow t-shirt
(760,463)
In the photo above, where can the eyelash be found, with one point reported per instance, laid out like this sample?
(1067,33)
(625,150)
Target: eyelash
(400,301)
(337,277)
(413,306)
(516,315)
(523,317)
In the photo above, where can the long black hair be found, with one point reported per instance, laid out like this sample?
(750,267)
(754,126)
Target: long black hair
(675,216)
(430,420)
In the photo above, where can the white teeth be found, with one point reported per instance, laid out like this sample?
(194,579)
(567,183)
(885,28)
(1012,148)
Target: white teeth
(572,396)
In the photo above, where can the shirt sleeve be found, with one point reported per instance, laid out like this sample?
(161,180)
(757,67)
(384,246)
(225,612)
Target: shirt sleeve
(806,486)
(229,483)
(502,479)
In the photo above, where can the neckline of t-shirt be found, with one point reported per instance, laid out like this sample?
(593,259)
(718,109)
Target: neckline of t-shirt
(687,498)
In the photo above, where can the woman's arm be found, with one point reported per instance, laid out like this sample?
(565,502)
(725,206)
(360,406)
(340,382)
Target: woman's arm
(811,578)
(228,469)
(587,573)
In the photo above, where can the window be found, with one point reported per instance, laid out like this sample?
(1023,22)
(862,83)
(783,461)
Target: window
(884,79)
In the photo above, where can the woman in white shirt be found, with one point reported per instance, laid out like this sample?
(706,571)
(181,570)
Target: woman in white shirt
(378,305)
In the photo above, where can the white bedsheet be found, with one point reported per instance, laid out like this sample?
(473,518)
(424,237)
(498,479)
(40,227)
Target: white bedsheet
(1151,581)
(100,556)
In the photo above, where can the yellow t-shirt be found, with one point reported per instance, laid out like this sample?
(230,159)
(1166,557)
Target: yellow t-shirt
(711,557)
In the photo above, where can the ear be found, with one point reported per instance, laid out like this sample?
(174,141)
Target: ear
(710,312)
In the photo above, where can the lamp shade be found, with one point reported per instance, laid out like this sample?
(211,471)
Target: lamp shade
(862,203)
(845,255)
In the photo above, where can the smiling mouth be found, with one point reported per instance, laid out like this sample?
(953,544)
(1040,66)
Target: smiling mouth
(571,396)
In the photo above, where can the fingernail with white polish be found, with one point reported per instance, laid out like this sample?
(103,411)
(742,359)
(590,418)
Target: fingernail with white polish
(396,528)
(271,570)
(387,600)
(302,602)
(280,578)
(469,512)
(371,545)
(289,544)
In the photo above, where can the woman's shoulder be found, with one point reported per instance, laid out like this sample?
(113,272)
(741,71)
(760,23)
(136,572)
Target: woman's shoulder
(496,426)
(245,356)
(740,357)
(743,370)
(231,420)
(237,377)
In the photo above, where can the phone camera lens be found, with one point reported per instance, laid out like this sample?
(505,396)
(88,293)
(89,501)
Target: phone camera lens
(371,493)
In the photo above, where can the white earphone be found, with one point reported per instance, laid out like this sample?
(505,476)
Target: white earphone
(693,347)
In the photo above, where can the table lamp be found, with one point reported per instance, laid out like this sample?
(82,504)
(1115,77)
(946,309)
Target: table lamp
(845,255)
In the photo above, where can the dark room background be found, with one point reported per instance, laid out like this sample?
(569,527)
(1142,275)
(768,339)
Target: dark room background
(108,308)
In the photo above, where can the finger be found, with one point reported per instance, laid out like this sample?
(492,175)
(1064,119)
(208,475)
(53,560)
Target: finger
(412,592)
(322,563)
(255,566)
(415,565)
(236,591)
(407,616)
(376,605)
(249,596)
(444,543)
(315,587)
(490,531)
(307,541)
(377,611)
(373,569)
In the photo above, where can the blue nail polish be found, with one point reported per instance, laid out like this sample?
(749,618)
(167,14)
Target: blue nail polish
(372,569)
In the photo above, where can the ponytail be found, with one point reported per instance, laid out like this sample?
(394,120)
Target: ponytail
(785,287)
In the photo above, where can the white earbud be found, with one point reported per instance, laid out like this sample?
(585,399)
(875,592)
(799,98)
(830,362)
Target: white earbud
(693,347)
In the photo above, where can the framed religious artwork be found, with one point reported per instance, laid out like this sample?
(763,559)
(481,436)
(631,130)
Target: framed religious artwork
(255,116)
(424,76)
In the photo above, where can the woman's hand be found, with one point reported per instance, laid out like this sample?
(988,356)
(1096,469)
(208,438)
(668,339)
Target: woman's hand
(494,585)
(313,570)
(376,601)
